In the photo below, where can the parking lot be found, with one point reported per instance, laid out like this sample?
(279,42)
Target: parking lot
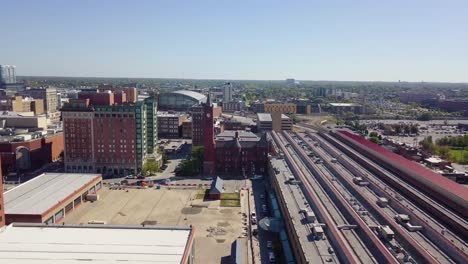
(215,227)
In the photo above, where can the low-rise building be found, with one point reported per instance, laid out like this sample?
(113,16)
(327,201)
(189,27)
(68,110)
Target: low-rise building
(286,123)
(241,153)
(264,122)
(49,197)
(24,152)
(23,120)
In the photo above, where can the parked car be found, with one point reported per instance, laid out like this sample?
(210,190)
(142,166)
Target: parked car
(264,208)
(130,177)
(141,177)
(271,257)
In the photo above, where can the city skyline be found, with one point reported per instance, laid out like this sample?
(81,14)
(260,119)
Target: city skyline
(337,40)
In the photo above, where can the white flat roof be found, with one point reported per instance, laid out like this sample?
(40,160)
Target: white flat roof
(38,195)
(344,104)
(264,117)
(92,243)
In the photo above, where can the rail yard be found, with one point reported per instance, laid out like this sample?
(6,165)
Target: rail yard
(346,200)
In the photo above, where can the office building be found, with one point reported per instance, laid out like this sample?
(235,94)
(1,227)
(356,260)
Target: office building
(227,92)
(20,104)
(170,124)
(48,95)
(109,138)
(7,74)
(241,153)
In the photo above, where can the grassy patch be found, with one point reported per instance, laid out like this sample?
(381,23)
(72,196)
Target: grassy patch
(201,194)
(459,155)
(230,203)
(230,199)
(230,196)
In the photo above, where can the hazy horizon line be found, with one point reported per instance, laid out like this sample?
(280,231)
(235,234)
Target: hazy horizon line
(219,79)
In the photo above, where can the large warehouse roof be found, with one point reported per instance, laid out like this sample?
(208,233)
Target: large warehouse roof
(38,195)
(195,95)
(434,178)
(29,243)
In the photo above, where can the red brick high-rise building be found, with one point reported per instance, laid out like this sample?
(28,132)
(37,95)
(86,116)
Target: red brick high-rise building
(109,136)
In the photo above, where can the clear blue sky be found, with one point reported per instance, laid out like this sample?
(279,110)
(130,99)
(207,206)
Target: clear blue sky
(410,40)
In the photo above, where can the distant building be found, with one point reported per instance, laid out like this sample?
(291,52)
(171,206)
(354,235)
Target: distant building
(48,95)
(181,100)
(233,106)
(303,107)
(264,122)
(241,153)
(109,138)
(20,104)
(170,124)
(227,92)
(7,74)
(258,107)
(284,108)
(49,197)
(238,123)
(187,128)
(25,120)
(341,108)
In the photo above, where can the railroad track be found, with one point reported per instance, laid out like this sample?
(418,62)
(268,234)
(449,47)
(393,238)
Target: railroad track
(402,235)
(366,234)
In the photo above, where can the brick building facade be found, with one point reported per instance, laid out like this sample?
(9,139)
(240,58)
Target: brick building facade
(241,153)
(102,136)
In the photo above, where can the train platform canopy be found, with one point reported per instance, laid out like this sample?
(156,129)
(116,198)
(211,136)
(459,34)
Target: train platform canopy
(430,176)
(38,195)
(40,243)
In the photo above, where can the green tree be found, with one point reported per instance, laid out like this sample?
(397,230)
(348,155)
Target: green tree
(150,167)
(444,152)
(425,117)
(374,140)
(373,134)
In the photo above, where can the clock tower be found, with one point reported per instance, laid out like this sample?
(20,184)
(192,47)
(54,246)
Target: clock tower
(208,138)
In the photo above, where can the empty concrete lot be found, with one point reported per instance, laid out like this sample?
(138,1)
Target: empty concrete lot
(168,207)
